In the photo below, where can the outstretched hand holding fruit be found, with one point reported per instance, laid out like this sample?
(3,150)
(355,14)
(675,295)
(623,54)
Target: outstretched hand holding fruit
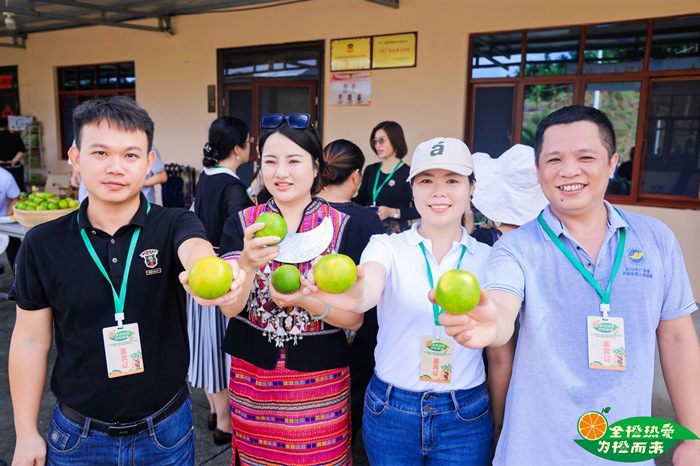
(288,289)
(213,282)
(344,294)
(490,323)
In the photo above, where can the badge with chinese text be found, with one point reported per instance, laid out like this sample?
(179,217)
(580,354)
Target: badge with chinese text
(606,343)
(436,359)
(122,350)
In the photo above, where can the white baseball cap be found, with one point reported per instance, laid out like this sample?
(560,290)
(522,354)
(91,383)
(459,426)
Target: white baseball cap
(442,153)
(507,190)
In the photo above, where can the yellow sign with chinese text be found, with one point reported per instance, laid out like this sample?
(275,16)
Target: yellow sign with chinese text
(394,51)
(350,54)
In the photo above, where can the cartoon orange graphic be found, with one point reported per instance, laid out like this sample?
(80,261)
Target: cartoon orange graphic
(592,425)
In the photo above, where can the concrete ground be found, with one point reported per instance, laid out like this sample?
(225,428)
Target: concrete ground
(206,452)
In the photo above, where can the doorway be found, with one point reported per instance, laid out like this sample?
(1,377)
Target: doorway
(250,102)
(283,78)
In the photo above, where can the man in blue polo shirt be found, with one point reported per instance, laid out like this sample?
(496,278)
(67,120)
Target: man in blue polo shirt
(582,264)
(106,279)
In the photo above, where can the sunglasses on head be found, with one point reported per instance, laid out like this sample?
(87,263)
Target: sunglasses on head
(294,120)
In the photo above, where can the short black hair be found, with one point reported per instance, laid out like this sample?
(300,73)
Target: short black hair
(121,111)
(306,138)
(394,132)
(572,114)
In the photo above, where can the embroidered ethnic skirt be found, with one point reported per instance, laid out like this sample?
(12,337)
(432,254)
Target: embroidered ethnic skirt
(284,417)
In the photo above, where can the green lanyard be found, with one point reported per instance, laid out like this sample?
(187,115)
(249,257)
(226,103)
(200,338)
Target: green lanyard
(605,296)
(375,189)
(120,298)
(436,309)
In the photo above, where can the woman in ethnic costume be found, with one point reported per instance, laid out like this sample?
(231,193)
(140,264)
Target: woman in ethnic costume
(289,385)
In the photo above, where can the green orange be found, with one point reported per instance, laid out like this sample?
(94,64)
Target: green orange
(210,277)
(286,279)
(457,291)
(335,273)
(274,226)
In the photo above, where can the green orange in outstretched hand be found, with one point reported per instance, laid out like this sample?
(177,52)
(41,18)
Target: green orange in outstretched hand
(457,291)
(286,279)
(335,273)
(210,277)
(274,226)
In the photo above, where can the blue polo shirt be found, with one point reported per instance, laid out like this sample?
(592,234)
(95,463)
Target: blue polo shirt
(551,384)
(54,269)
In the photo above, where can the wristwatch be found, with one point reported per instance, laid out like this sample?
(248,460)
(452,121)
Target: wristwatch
(396,213)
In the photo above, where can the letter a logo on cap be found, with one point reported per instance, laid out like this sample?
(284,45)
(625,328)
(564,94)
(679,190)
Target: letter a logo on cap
(437,149)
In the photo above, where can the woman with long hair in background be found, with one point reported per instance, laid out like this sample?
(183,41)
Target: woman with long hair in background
(220,194)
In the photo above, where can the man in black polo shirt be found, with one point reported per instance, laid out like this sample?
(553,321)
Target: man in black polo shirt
(107,280)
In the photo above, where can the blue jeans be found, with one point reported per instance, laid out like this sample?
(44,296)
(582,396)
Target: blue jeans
(403,427)
(171,441)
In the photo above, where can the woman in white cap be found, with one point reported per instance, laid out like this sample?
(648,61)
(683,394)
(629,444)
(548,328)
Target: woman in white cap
(420,406)
(507,192)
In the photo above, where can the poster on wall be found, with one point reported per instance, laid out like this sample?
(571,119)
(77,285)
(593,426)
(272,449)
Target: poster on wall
(19,123)
(394,51)
(351,89)
(350,54)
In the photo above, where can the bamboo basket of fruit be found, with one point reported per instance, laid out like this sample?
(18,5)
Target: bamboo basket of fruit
(37,208)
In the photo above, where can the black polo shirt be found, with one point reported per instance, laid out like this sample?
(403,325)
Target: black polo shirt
(54,269)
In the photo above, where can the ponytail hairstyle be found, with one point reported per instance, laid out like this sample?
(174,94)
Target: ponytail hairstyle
(342,158)
(225,134)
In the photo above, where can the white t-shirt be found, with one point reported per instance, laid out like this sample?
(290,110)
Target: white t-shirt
(405,314)
(8,190)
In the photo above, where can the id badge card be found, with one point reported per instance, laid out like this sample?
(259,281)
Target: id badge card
(122,350)
(606,343)
(436,359)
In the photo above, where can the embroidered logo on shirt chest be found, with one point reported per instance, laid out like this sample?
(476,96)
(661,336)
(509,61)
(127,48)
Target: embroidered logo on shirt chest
(150,258)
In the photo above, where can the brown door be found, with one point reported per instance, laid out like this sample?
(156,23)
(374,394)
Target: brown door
(251,100)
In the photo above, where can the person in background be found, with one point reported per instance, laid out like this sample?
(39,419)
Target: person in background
(507,191)
(427,402)
(508,194)
(580,262)
(384,188)
(157,175)
(9,195)
(121,366)
(340,179)
(290,381)
(220,194)
(12,151)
